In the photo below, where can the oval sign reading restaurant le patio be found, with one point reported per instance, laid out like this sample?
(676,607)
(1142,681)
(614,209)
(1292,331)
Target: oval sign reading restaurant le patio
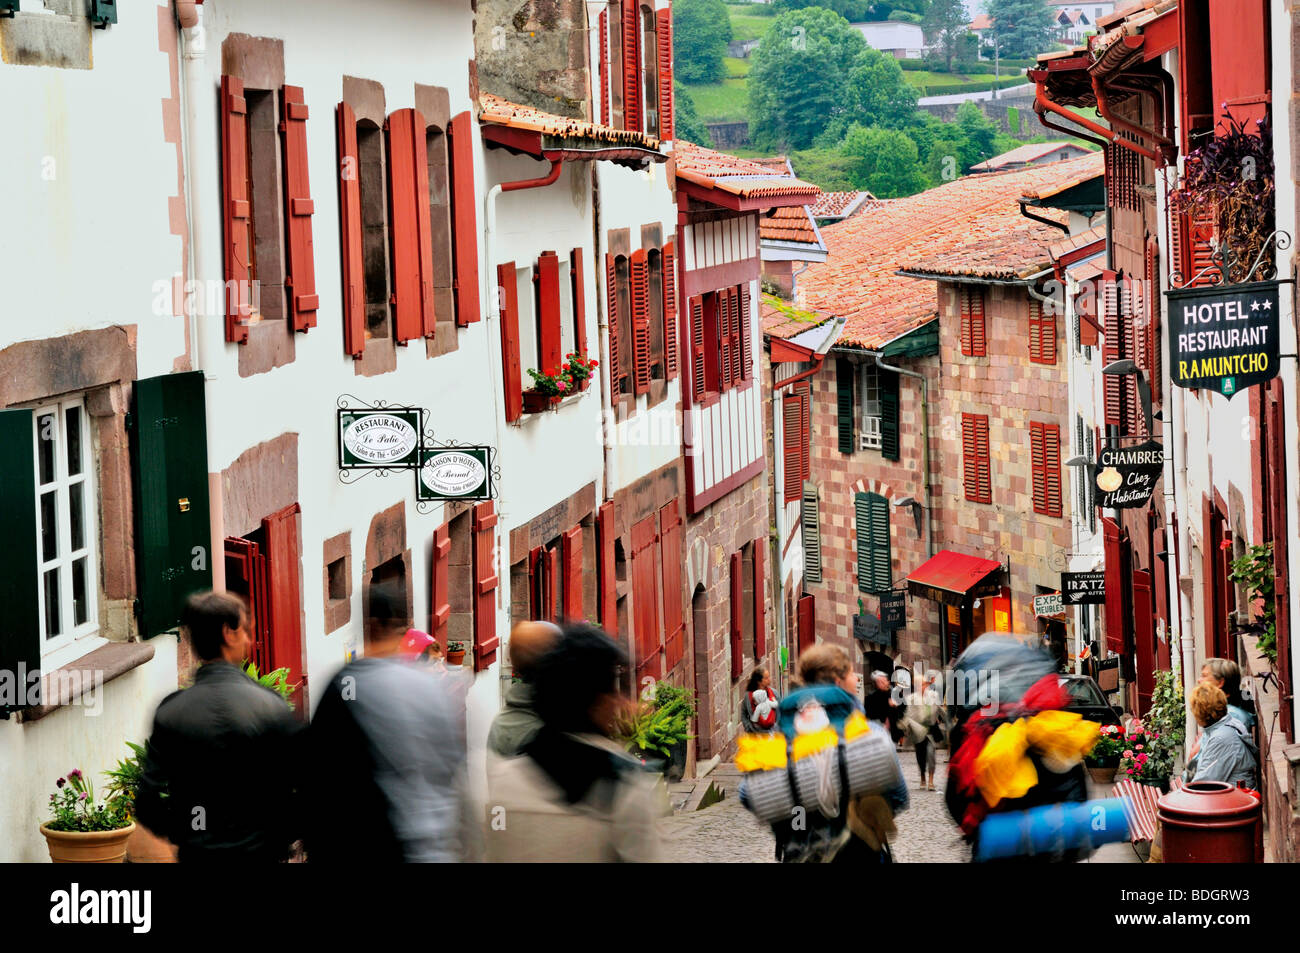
(380,438)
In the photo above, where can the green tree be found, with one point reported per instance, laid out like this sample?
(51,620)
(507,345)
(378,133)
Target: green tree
(945,26)
(978,133)
(852,10)
(799,79)
(1023,27)
(943,161)
(701,32)
(878,93)
(686,121)
(886,161)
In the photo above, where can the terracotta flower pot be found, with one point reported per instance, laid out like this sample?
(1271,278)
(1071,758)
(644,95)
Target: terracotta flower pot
(535,402)
(1102,774)
(87,847)
(455,658)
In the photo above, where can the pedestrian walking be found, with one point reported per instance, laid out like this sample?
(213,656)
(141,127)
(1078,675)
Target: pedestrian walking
(386,756)
(924,711)
(218,771)
(518,723)
(758,707)
(573,794)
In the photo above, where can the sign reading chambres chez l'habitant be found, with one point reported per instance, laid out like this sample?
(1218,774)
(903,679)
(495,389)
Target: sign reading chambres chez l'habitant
(1223,337)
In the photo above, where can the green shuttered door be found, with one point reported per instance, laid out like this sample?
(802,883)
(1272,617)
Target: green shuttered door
(875,572)
(844,397)
(889,415)
(20,639)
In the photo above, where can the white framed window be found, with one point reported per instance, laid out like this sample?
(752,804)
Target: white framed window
(870,407)
(67,528)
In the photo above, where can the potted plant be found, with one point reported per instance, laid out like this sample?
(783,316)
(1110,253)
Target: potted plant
(1103,759)
(83,830)
(547,390)
(455,653)
(580,369)
(277,680)
(143,846)
(660,726)
(1254,570)
(1143,760)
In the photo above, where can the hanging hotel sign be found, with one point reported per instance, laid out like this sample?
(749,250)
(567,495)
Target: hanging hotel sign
(388,438)
(1084,588)
(462,473)
(893,609)
(1224,337)
(1126,476)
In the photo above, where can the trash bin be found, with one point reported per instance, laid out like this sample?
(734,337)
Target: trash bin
(1209,822)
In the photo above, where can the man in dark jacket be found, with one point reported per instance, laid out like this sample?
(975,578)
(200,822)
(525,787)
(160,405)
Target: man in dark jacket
(218,774)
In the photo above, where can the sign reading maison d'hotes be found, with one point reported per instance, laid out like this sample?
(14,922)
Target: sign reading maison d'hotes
(1224,337)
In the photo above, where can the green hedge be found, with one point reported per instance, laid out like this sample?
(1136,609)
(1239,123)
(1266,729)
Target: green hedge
(981,87)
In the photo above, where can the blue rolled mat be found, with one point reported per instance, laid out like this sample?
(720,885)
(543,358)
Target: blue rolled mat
(1053,827)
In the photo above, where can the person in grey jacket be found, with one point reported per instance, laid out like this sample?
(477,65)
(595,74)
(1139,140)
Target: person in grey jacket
(517,724)
(386,758)
(1226,750)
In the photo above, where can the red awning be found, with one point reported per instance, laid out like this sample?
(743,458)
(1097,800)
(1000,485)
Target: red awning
(950,574)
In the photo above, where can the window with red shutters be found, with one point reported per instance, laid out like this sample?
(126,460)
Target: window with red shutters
(236,210)
(439,584)
(698,375)
(605,117)
(1045,463)
(727,339)
(614,322)
(485,585)
(649,70)
(408,225)
(298,209)
(972,321)
(745,331)
(655,315)
(645,598)
(1042,333)
(606,533)
(733,305)
(1115,405)
(760,600)
(792,454)
(665,38)
(572,572)
(284,598)
(1151,314)
(464,219)
(737,617)
(546,278)
(807,622)
(578,296)
(350,227)
(1114,581)
(670,309)
(976,473)
(630,49)
(670,561)
(511,377)
(640,293)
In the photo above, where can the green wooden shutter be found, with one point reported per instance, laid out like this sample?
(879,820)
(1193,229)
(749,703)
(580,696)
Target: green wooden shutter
(810,520)
(875,570)
(20,637)
(844,394)
(889,415)
(169,463)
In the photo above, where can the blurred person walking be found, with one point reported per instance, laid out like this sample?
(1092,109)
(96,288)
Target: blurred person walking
(517,724)
(218,770)
(386,756)
(922,724)
(573,794)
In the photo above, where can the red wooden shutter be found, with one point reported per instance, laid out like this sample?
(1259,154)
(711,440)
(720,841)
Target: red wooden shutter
(1275,456)
(1042,334)
(1112,350)
(631,65)
(737,613)
(353,255)
(484,521)
(985,464)
(976,475)
(612,320)
(1201,229)
(696,306)
(640,283)
(1114,586)
(605,536)
(572,544)
(440,590)
(1152,314)
(645,598)
(1038,467)
(511,376)
(547,276)
(964,296)
(246,563)
(408,223)
(792,430)
(236,212)
(805,437)
(1144,638)
(284,598)
(746,345)
(807,622)
(760,600)
(537,583)
(733,305)
(664,37)
(725,339)
(464,218)
(1130,343)
(670,310)
(604,67)
(578,295)
(670,561)
(298,209)
(1052,465)
(1178,263)
(977,338)
(554,597)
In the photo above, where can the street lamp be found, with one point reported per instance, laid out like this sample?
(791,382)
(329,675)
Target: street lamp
(1124,368)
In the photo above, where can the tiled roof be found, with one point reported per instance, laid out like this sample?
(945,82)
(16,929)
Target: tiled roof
(1022,154)
(1075,242)
(981,22)
(1078,173)
(1012,255)
(781,320)
(858,279)
(502,112)
(839,204)
(742,177)
(789,224)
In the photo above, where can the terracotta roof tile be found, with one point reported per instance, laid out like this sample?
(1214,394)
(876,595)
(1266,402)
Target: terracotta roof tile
(1022,155)
(837,204)
(502,112)
(981,22)
(858,280)
(1074,242)
(743,177)
(1010,256)
(782,320)
(789,224)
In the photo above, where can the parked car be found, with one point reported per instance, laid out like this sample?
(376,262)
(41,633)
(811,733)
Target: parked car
(1086,698)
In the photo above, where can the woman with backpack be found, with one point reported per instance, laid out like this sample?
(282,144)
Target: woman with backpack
(758,707)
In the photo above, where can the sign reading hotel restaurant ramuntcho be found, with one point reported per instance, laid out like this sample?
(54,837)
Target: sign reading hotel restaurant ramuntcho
(1084,588)
(463,473)
(379,438)
(1224,337)
(1126,476)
